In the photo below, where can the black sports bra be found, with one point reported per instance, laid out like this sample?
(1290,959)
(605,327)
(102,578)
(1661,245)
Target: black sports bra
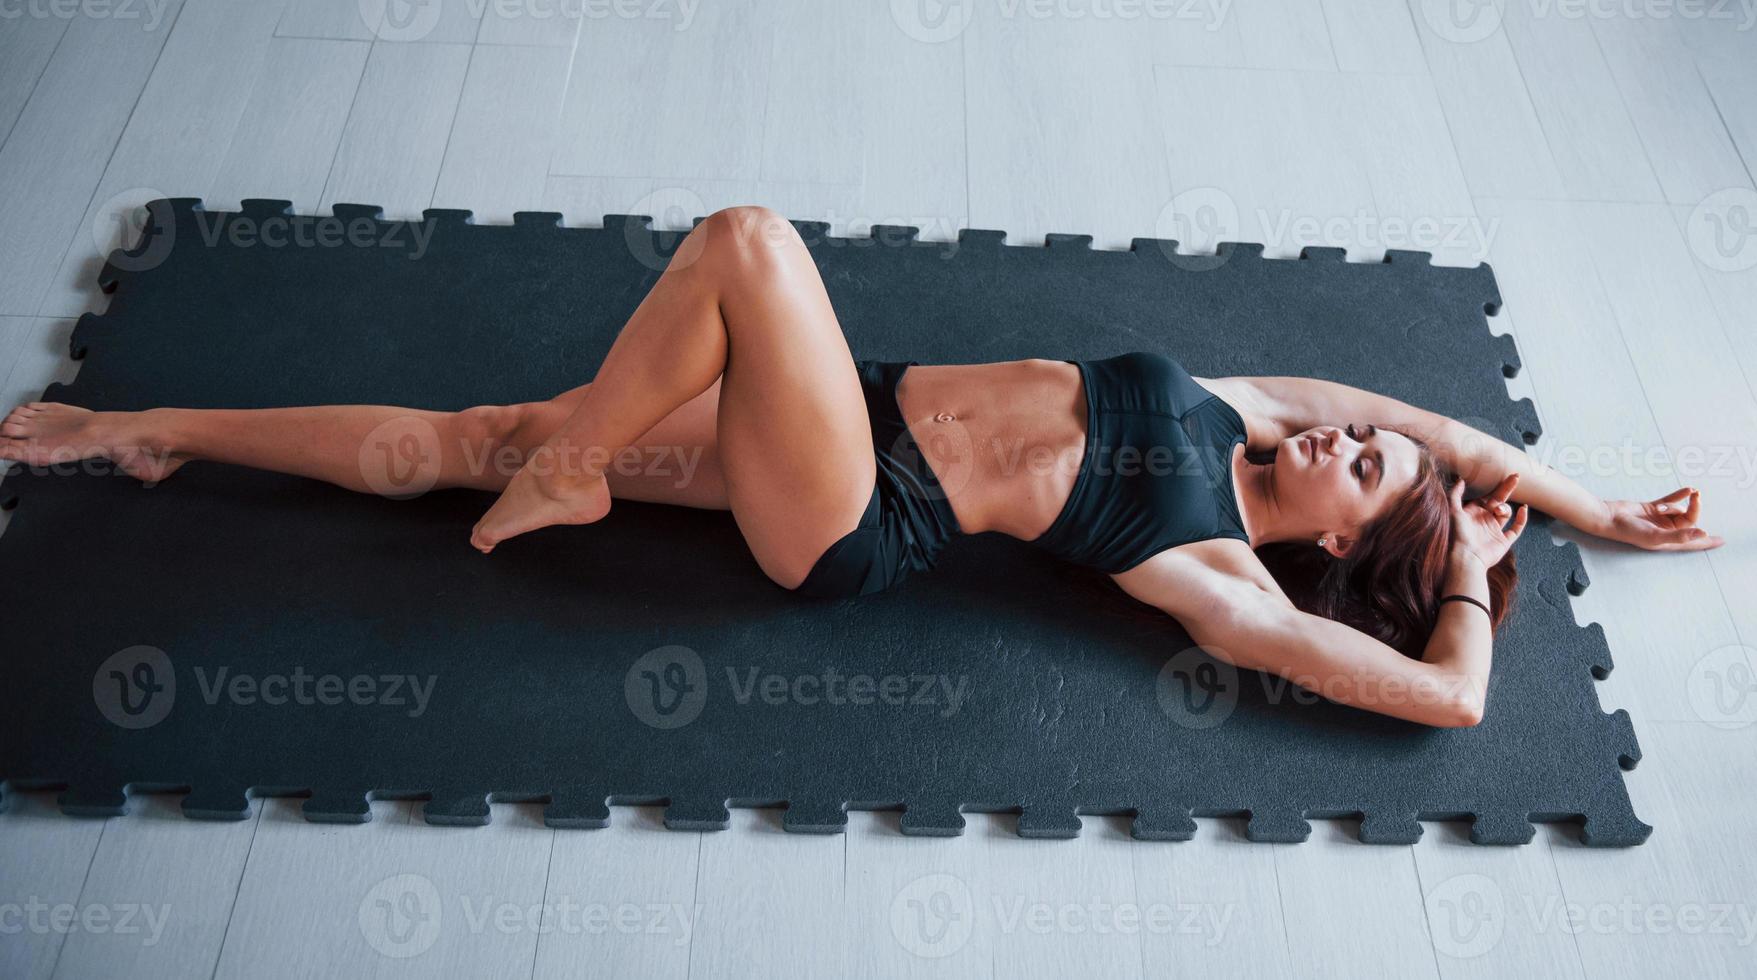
(1157,472)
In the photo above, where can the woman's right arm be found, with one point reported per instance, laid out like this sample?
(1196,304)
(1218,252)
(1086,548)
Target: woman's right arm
(1236,620)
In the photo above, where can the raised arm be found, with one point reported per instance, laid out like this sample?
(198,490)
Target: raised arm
(1285,406)
(1238,621)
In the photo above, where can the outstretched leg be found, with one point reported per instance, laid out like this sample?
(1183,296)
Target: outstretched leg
(379,449)
(741,301)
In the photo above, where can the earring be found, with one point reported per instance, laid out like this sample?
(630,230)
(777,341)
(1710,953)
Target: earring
(1321,541)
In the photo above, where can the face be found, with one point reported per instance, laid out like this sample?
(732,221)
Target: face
(1340,478)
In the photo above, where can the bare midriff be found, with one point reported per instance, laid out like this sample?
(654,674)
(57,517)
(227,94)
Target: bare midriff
(1004,439)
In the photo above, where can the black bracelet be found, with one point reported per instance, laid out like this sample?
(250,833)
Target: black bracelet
(1464,598)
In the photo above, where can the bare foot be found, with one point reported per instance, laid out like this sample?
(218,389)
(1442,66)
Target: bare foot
(528,504)
(52,434)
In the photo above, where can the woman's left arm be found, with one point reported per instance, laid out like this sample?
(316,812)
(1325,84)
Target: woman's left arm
(1292,405)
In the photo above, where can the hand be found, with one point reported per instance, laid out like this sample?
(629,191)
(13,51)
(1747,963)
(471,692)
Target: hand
(1480,529)
(1665,524)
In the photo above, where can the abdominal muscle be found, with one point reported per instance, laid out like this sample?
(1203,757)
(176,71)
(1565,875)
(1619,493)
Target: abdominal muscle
(1005,440)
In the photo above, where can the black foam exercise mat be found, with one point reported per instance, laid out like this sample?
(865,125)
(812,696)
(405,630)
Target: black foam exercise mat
(234,633)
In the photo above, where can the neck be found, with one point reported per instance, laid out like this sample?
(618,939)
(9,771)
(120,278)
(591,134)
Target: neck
(1260,506)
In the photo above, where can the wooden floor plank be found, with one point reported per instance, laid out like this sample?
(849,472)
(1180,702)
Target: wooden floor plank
(624,898)
(497,158)
(1598,153)
(286,138)
(1687,143)
(1225,894)
(756,875)
(1496,131)
(56,153)
(1329,911)
(26,44)
(47,857)
(1076,100)
(705,87)
(167,883)
(403,113)
(176,138)
(390,898)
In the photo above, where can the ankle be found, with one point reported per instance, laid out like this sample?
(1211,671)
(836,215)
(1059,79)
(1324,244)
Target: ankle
(563,471)
(153,430)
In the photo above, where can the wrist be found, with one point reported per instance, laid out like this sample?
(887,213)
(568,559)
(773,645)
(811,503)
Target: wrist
(1466,574)
(1462,559)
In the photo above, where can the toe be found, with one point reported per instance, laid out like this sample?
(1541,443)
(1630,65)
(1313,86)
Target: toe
(480,540)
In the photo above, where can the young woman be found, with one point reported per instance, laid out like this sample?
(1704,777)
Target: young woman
(843,477)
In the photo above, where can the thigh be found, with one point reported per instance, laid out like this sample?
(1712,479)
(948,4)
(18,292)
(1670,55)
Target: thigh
(795,442)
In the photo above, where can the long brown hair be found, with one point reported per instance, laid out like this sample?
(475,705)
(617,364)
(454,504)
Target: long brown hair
(1389,584)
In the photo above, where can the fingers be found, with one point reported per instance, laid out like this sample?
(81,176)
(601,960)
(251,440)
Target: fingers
(1674,496)
(1501,492)
(1682,539)
(1458,496)
(1701,542)
(1519,520)
(1678,501)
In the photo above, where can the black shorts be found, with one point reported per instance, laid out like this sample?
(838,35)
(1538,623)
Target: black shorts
(908,520)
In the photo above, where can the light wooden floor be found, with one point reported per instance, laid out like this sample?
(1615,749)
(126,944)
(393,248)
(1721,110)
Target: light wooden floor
(1592,156)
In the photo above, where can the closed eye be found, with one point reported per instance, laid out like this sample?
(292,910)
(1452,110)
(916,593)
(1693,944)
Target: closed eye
(1377,457)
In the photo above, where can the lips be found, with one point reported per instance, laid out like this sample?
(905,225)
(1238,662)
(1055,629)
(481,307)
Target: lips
(1311,446)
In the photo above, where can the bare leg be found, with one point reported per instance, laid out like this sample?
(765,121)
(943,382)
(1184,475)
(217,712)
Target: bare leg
(736,351)
(371,448)
(742,299)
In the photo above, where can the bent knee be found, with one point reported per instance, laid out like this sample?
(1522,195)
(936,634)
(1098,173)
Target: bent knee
(753,239)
